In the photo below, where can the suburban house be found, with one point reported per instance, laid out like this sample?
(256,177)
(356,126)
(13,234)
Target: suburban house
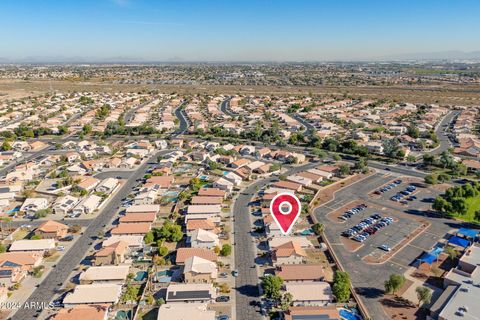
(199,270)
(310,293)
(197,311)
(184,253)
(204,239)
(93,294)
(202,200)
(107,185)
(205,224)
(51,230)
(63,205)
(131,229)
(88,205)
(105,274)
(288,253)
(31,205)
(327,313)
(88,184)
(138,218)
(190,293)
(300,272)
(40,245)
(147,208)
(112,254)
(90,312)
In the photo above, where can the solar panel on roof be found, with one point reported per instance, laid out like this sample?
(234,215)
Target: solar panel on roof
(5,273)
(185,295)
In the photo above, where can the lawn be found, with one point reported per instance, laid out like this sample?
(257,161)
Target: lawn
(473,206)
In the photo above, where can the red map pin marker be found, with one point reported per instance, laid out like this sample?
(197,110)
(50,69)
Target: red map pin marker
(285,209)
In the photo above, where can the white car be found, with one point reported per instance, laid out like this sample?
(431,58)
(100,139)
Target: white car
(60,248)
(384,247)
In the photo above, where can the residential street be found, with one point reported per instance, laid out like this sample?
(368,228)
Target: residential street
(59,275)
(247,282)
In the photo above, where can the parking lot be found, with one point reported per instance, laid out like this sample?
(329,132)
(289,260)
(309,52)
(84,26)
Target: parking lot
(378,227)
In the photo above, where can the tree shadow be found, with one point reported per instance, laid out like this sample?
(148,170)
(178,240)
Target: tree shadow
(369,292)
(249,290)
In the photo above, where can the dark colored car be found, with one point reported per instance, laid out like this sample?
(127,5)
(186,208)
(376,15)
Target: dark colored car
(222,299)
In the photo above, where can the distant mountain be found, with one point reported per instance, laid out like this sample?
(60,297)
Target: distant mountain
(79,59)
(440,55)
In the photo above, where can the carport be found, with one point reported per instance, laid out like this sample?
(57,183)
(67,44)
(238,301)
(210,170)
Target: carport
(457,241)
(468,233)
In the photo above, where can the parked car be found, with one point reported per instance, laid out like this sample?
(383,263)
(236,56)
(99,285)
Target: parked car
(222,299)
(384,247)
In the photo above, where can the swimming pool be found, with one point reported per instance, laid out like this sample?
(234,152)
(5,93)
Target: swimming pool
(13,211)
(140,275)
(349,315)
(171,194)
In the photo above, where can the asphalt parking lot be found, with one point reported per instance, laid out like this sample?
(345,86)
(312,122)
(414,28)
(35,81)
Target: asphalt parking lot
(390,235)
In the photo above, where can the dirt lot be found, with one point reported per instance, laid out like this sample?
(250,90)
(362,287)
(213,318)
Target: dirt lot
(443,94)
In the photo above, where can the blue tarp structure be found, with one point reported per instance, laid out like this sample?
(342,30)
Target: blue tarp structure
(432,256)
(469,233)
(428,258)
(461,242)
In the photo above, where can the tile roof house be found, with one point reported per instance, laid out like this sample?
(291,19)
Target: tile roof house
(205,224)
(184,253)
(199,270)
(90,312)
(192,292)
(288,253)
(324,313)
(51,230)
(202,200)
(93,294)
(112,254)
(197,311)
(310,293)
(204,239)
(131,229)
(40,245)
(105,274)
(212,192)
(300,272)
(138,218)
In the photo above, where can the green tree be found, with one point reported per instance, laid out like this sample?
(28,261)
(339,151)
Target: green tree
(341,286)
(2,248)
(6,146)
(163,251)
(286,301)
(394,282)
(271,287)
(428,159)
(148,237)
(413,131)
(431,179)
(424,295)
(477,215)
(318,228)
(344,169)
(451,252)
(226,250)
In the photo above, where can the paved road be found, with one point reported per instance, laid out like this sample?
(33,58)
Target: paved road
(59,275)
(184,123)
(408,171)
(130,113)
(246,284)
(443,138)
(225,107)
(309,127)
(23,159)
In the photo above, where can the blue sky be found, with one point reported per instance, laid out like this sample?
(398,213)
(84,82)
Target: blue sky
(227,30)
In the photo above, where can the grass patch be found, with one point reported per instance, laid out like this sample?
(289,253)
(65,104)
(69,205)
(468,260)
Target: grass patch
(20,234)
(473,206)
(52,258)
